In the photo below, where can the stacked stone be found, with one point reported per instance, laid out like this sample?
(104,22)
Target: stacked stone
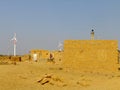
(25,57)
(91,55)
(15,58)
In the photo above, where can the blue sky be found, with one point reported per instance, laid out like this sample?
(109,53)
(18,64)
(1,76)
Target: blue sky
(41,24)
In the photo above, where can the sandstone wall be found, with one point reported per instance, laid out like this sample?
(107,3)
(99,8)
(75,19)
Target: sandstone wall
(91,55)
(41,54)
(58,56)
(25,57)
(45,55)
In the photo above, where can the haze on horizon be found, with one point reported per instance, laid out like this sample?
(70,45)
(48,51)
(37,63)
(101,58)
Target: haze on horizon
(42,24)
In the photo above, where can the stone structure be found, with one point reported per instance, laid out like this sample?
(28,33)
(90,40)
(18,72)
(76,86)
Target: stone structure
(45,55)
(91,55)
(41,54)
(58,56)
(92,35)
(25,57)
(15,58)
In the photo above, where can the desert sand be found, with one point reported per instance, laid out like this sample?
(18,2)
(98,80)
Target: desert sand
(49,76)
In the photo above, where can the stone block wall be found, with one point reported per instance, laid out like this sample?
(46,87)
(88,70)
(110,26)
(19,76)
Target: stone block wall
(91,55)
(41,54)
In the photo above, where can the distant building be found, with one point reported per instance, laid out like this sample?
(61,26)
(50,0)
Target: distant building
(41,54)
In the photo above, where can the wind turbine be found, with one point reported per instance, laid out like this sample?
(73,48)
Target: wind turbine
(14,42)
(60,46)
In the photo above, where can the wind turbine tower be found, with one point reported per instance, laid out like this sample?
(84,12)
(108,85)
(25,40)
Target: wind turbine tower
(14,42)
(60,46)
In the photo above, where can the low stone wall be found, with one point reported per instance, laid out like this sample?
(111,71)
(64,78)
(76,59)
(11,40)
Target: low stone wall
(15,58)
(26,57)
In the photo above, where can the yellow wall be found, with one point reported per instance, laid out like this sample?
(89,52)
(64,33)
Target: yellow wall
(58,56)
(91,55)
(45,54)
(41,54)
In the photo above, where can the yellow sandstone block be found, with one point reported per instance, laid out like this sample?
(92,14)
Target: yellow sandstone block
(88,54)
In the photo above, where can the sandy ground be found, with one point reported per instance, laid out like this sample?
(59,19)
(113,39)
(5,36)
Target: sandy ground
(29,75)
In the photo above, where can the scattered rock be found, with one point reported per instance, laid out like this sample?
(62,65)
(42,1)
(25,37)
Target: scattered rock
(60,68)
(52,80)
(45,79)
